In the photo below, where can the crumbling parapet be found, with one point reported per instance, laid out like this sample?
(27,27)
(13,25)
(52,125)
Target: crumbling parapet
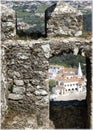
(8,23)
(62,19)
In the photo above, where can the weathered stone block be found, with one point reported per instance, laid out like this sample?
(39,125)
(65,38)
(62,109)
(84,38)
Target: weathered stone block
(17,74)
(40,92)
(39,87)
(19,82)
(15,96)
(18,90)
(46,49)
(79,33)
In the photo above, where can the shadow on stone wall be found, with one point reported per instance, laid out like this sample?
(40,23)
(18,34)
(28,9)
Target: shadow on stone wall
(33,35)
(48,13)
(68,116)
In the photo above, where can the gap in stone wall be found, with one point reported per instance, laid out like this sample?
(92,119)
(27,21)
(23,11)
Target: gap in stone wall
(30,18)
(67,100)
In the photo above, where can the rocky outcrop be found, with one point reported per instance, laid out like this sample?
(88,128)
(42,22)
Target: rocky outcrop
(8,23)
(63,19)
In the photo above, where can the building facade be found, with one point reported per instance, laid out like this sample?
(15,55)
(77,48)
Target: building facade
(68,80)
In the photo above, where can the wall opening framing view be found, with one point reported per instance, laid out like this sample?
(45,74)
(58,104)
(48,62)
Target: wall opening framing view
(67,98)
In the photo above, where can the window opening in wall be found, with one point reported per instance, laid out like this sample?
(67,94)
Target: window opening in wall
(70,96)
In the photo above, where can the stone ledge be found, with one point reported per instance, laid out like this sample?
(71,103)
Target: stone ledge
(28,43)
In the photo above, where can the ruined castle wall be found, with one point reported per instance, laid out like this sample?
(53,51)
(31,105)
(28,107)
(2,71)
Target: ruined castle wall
(8,30)
(27,66)
(27,78)
(24,70)
(8,22)
(4,90)
(62,19)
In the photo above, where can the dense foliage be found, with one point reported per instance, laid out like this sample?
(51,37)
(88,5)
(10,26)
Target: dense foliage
(31,18)
(69,60)
(52,84)
(87,22)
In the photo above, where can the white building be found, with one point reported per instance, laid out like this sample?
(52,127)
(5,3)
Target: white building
(68,80)
(54,70)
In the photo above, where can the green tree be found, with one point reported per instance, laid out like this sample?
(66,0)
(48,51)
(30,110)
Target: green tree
(52,83)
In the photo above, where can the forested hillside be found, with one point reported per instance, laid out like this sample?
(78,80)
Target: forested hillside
(32,13)
(69,60)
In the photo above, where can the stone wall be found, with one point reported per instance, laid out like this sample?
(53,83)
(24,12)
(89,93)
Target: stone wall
(63,19)
(8,30)
(8,23)
(27,78)
(4,90)
(25,65)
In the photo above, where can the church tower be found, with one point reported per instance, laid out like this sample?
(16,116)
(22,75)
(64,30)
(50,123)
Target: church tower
(80,74)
